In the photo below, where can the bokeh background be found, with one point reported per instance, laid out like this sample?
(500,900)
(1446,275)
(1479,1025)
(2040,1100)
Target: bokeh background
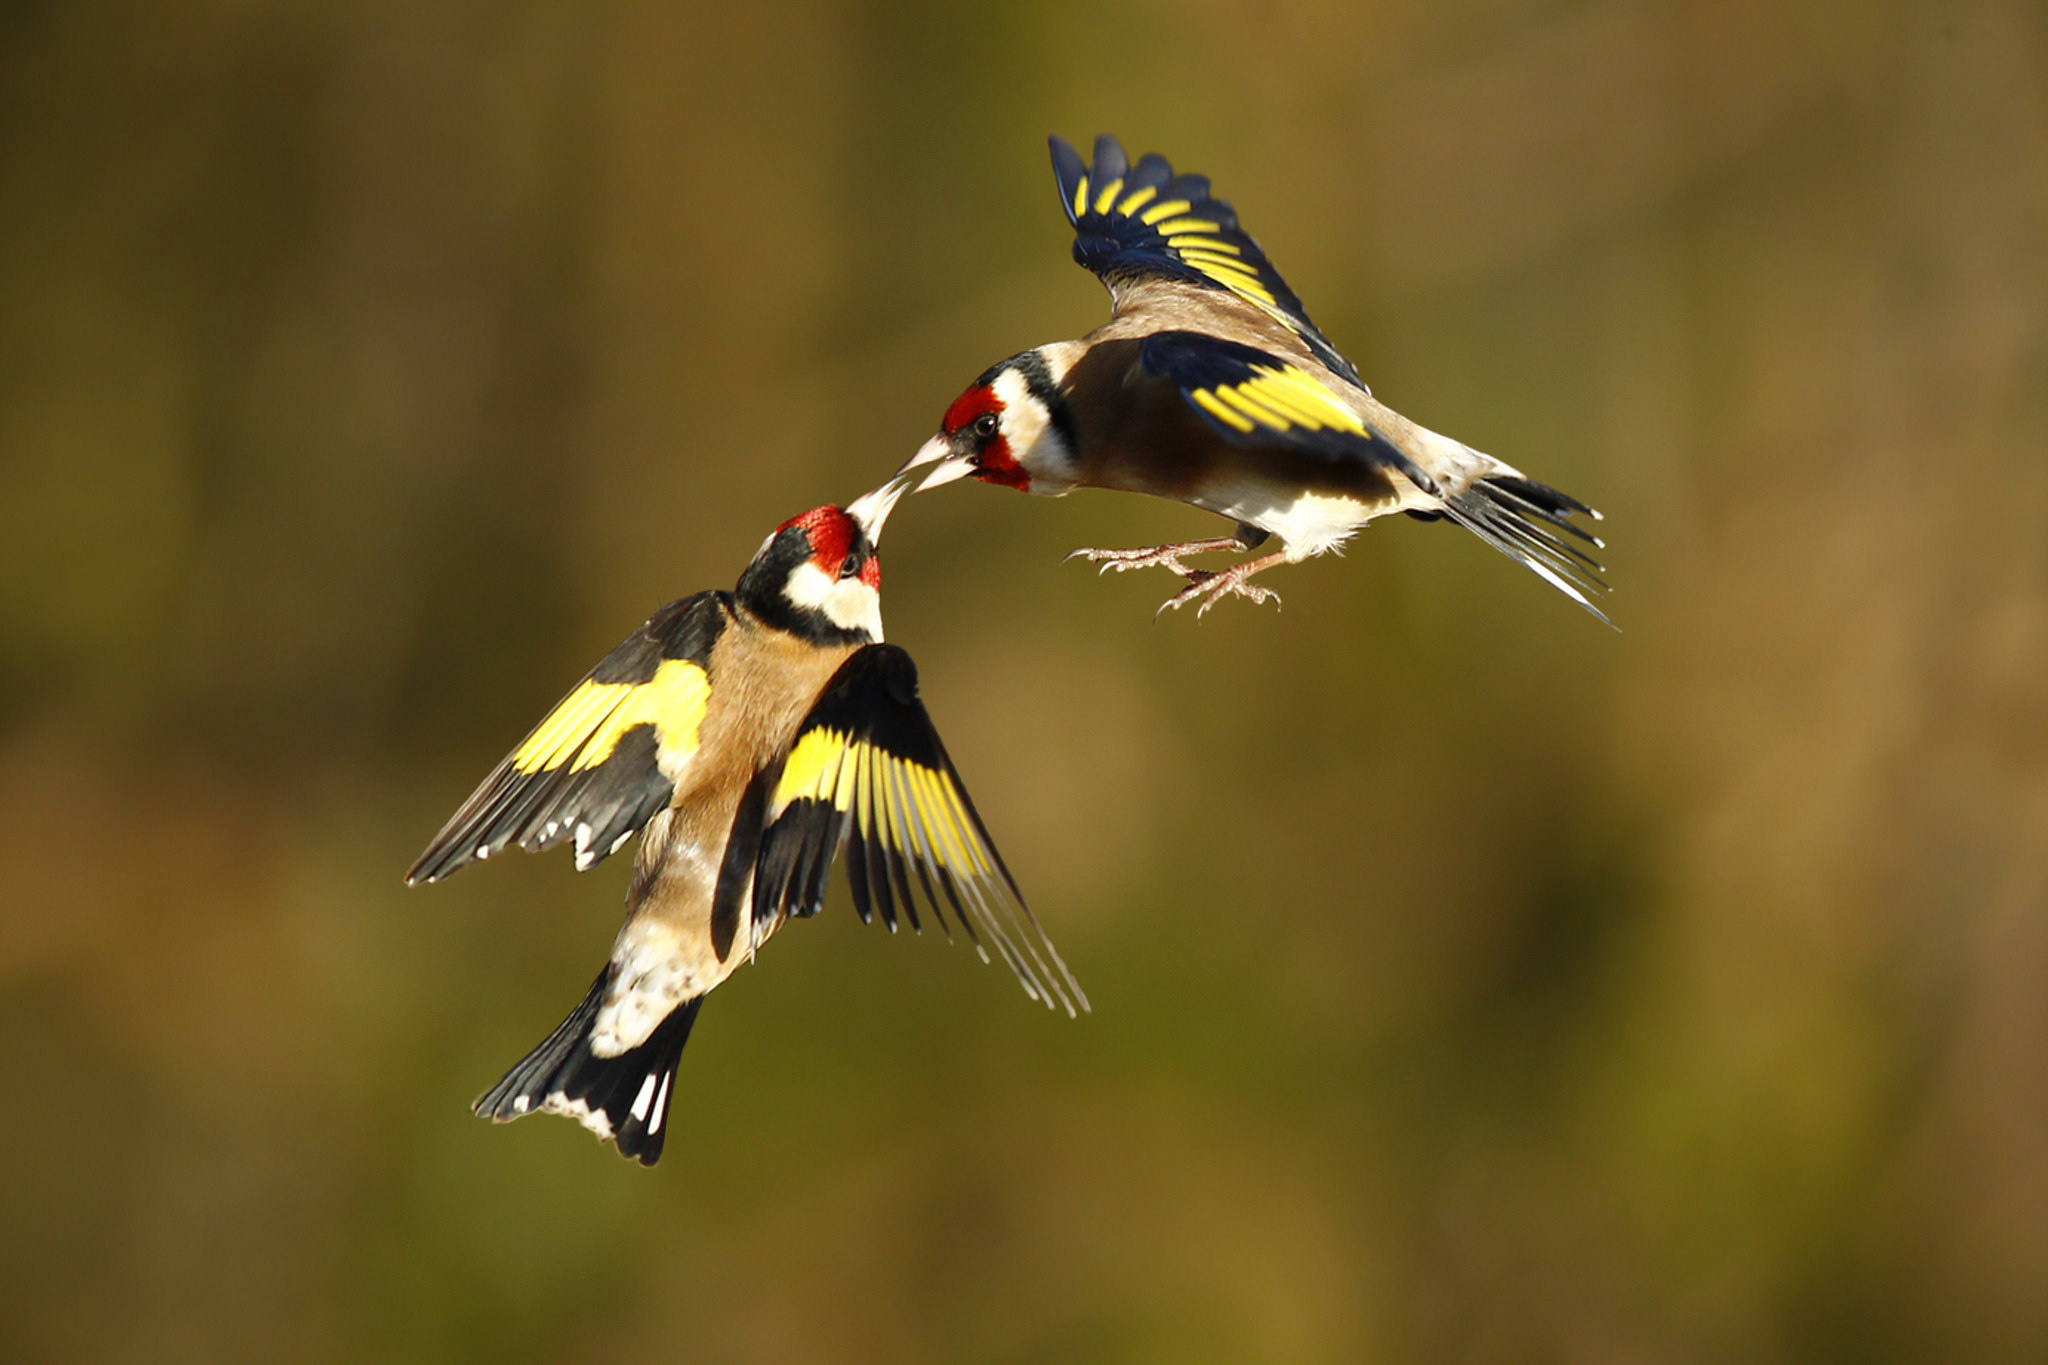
(1471,983)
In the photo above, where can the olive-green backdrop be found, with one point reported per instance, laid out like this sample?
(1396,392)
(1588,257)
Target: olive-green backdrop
(1471,983)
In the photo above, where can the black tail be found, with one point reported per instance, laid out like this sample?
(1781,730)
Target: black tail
(1521,518)
(624,1098)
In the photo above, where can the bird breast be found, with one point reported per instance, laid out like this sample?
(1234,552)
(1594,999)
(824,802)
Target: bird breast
(763,683)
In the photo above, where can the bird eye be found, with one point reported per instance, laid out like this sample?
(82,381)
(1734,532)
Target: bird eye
(985,425)
(851,567)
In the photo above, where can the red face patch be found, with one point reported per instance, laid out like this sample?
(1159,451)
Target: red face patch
(831,534)
(994,464)
(998,466)
(974,403)
(871,572)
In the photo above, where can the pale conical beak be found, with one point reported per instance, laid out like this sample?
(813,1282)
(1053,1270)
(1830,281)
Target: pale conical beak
(872,509)
(933,455)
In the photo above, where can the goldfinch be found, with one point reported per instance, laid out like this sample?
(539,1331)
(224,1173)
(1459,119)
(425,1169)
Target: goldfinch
(747,737)
(1209,385)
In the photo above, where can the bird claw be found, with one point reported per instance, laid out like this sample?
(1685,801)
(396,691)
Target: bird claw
(1212,588)
(1164,556)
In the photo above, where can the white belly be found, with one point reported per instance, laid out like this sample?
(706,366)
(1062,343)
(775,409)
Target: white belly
(1314,523)
(1309,523)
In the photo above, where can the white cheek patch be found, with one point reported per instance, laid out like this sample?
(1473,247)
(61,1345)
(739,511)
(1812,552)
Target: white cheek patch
(847,603)
(1035,442)
(1026,423)
(1023,415)
(853,605)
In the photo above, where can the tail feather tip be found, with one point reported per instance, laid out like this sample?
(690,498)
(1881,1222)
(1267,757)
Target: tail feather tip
(624,1099)
(1522,518)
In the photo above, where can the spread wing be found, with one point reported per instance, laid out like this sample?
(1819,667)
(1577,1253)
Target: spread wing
(866,772)
(604,761)
(1252,397)
(1134,222)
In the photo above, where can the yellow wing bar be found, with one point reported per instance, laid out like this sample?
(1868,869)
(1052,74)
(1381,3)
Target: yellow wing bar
(917,810)
(867,772)
(1143,221)
(588,724)
(603,761)
(1279,398)
(815,771)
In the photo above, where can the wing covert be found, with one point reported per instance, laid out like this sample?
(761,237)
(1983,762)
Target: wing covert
(1252,397)
(603,762)
(1131,222)
(866,772)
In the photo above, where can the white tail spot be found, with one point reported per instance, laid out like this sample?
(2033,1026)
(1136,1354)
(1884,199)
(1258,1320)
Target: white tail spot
(660,1104)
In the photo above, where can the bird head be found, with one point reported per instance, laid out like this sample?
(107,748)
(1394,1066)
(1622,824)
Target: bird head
(820,574)
(1010,427)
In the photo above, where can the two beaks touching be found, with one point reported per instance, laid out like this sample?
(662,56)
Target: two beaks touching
(753,737)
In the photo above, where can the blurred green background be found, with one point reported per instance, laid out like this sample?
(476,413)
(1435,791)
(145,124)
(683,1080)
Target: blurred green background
(1471,983)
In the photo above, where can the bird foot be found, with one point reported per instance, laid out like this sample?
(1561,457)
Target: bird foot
(1164,556)
(1211,588)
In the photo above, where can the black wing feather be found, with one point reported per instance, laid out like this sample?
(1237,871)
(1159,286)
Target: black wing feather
(591,770)
(1252,397)
(1146,222)
(867,765)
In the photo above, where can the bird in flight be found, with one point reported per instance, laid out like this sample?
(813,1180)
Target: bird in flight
(1209,385)
(748,737)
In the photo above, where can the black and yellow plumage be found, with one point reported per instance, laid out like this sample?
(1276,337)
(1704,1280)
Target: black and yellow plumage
(747,737)
(868,772)
(1251,397)
(1210,385)
(604,760)
(1137,222)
